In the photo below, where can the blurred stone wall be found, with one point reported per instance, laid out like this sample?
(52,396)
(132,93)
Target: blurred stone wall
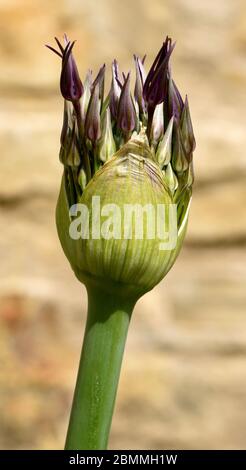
(183,381)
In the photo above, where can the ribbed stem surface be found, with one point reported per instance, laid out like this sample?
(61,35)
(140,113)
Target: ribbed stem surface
(94,397)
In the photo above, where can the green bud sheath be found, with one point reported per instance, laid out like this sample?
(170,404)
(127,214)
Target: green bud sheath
(136,265)
(125,159)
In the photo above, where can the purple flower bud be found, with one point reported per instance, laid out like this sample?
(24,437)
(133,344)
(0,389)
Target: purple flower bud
(115,90)
(126,119)
(100,80)
(67,119)
(164,149)
(174,104)
(157,127)
(106,146)
(190,176)
(179,156)
(140,79)
(187,131)
(69,152)
(70,83)
(92,120)
(86,95)
(155,86)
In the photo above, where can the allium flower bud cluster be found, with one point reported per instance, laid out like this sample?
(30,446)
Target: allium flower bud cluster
(148,132)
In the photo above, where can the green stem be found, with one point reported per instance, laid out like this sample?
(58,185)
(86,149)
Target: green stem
(94,397)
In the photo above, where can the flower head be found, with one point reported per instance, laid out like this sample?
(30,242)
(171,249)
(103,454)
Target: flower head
(128,148)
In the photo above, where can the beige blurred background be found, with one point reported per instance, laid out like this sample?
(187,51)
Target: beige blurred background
(183,382)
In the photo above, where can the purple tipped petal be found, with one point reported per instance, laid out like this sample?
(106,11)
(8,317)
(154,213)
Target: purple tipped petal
(100,80)
(140,79)
(92,121)
(115,90)
(126,119)
(157,128)
(86,95)
(174,104)
(69,152)
(179,156)
(155,86)
(187,130)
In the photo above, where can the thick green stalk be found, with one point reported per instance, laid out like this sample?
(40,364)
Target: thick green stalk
(94,397)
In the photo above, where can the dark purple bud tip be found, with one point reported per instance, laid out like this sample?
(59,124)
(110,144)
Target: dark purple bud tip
(70,83)
(126,119)
(155,86)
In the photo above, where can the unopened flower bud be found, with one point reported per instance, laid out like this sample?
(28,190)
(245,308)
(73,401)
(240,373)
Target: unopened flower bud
(121,214)
(126,118)
(115,91)
(164,149)
(69,152)
(106,148)
(86,95)
(124,152)
(157,127)
(70,83)
(170,178)
(187,130)
(92,120)
(126,253)
(155,86)
(179,160)
(100,81)
(140,79)
(174,103)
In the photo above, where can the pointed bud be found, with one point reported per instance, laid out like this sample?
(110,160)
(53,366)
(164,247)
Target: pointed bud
(86,95)
(100,81)
(107,147)
(82,179)
(170,178)
(92,120)
(157,127)
(67,120)
(174,102)
(164,150)
(190,178)
(69,152)
(155,86)
(126,119)
(140,79)
(187,131)
(179,160)
(115,90)
(70,83)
